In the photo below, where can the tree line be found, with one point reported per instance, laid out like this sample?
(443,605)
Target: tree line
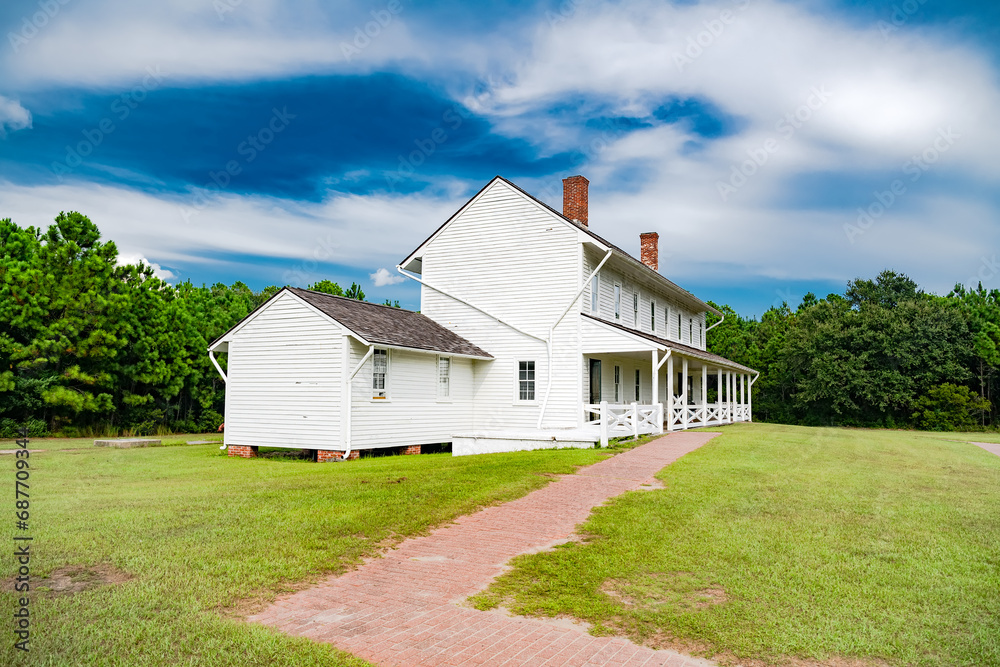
(90,347)
(884,353)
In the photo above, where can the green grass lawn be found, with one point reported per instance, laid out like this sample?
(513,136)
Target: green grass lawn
(194,540)
(774,543)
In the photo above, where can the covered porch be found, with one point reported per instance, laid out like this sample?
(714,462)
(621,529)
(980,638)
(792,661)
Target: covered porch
(637,383)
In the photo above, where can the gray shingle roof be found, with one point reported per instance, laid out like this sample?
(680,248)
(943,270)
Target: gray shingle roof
(674,345)
(386,325)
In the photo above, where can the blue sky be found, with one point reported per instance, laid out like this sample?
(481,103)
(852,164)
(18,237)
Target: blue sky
(777,147)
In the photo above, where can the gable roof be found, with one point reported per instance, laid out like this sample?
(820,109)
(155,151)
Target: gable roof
(645,270)
(674,345)
(380,325)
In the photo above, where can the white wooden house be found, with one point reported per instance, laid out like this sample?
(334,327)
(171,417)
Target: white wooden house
(533,332)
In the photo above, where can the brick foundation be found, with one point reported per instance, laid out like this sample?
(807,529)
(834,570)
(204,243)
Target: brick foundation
(242,451)
(326,455)
(412,449)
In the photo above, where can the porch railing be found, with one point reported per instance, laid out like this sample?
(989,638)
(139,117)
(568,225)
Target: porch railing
(619,420)
(681,416)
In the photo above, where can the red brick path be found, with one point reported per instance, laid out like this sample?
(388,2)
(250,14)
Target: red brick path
(989,446)
(404,608)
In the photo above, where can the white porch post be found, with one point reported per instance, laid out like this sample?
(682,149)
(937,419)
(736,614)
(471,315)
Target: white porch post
(635,420)
(704,393)
(743,394)
(684,393)
(750,401)
(732,397)
(670,393)
(656,392)
(656,378)
(718,394)
(604,423)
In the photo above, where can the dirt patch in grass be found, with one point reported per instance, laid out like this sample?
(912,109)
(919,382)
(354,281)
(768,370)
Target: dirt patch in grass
(78,578)
(674,589)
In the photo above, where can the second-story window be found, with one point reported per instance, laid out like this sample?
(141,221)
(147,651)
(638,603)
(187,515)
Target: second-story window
(595,293)
(680,334)
(701,334)
(652,316)
(618,302)
(635,309)
(690,331)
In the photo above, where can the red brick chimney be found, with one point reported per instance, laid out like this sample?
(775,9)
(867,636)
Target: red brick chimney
(649,250)
(575,199)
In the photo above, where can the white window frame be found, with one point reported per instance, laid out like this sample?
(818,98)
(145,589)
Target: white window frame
(666,321)
(652,315)
(618,384)
(386,375)
(534,382)
(691,331)
(444,388)
(680,328)
(701,334)
(638,384)
(618,302)
(595,293)
(635,309)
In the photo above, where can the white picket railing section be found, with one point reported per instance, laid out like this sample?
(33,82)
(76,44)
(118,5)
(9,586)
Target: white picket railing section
(616,421)
(681,416)
(621,420)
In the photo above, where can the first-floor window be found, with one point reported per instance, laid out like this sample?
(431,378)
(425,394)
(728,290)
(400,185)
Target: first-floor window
(380,369)
(444,377)
(638,383)
(618,384)
(526,380)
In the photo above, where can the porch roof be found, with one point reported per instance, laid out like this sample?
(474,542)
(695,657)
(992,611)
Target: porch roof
(655,341)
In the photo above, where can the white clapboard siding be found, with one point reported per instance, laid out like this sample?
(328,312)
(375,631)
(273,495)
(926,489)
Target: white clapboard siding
(518,261)
(284,381)
(413,413)
(667,306)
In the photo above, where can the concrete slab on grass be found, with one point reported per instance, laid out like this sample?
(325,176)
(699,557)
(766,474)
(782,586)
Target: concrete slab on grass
(126,443)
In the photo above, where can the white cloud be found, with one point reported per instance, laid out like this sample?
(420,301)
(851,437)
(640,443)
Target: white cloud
(210,41)
(13,116)
(342,230)
(382,277)
(158,271)
(888,96)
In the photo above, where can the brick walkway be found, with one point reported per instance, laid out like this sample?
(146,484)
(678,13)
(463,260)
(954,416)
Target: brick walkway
(991,447)
(404,608)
